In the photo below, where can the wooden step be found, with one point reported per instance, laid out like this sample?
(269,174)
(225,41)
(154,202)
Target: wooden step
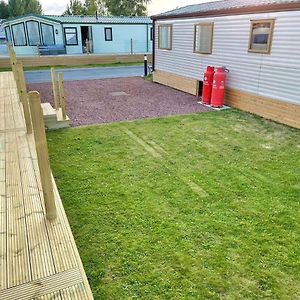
(48,111)
(59,123)
(53,119)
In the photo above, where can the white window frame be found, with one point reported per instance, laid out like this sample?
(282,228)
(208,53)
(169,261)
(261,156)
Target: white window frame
(170,26)
(28,33)
(270,37)
(71,31)
(42,33)
(9,37)
(211,26)
(14,35)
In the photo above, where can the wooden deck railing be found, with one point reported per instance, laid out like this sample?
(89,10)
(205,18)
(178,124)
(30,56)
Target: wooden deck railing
(54,89)
(42,153)
(62,96)
(24,96)
(33,116)
(59,102)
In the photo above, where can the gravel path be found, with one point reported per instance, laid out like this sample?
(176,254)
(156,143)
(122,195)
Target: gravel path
(112,100)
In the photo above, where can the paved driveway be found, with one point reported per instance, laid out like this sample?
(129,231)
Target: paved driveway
(85,73)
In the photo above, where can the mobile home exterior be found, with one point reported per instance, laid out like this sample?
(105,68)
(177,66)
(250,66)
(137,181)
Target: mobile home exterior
(3,50)
(258,41)
(106,35)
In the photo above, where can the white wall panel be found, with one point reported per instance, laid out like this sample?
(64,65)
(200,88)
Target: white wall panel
(275,75)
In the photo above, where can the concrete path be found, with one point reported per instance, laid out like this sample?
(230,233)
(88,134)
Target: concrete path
(85,73)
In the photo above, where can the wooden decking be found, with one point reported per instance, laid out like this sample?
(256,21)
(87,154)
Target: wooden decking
(38,258)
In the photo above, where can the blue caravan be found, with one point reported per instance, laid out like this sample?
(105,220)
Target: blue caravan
(38,35)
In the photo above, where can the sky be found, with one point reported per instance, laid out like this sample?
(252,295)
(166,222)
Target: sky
(56,7)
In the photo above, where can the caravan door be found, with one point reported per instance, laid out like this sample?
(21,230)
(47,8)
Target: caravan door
(87,39)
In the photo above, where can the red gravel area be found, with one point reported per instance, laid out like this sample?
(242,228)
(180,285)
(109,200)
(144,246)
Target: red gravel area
(111,100)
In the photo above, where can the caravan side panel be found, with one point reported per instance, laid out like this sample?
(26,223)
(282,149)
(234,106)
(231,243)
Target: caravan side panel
(273,75)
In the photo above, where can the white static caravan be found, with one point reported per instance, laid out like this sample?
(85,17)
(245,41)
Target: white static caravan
(106,34)
(257,40)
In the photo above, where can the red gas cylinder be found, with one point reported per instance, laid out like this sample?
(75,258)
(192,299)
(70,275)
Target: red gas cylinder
(207,84)
(218,89)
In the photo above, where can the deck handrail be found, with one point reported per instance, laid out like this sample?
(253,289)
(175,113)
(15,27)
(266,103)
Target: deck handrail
(42,153)
(24,96)
(62,95)
(33,115)
(54,89)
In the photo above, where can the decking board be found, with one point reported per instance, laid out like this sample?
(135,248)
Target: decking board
(38,258)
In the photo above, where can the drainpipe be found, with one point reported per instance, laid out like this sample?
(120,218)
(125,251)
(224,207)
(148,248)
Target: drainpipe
(147,37)
(63,37)
(153,46)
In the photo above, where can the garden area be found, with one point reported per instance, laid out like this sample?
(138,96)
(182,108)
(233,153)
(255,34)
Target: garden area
(198,206)
(109,100)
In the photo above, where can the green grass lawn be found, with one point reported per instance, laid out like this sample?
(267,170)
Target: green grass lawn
(204,206)
(119,64)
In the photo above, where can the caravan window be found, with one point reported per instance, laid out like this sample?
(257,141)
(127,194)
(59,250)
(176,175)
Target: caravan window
(8,34)
(261,36)
(71,36)
(165,37)
(203,38)
(108,34)
(47,34)
(33,33)
(19,36)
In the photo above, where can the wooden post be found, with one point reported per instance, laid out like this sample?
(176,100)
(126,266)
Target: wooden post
(13,54)
(17,75)
(54,88)
(12,58)
(24,96)
(13,62)
(10,54)
(42,153)
(62,95)
(38,50)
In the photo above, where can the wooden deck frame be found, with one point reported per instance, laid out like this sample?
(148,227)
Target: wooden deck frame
(273,109)
(38,257)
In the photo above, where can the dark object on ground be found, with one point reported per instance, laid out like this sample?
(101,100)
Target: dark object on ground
(112,100)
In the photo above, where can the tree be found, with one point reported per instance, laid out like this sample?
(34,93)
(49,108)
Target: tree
(127,7)
(75,7)
(101,8)
(32,6)
(91,7)
(111,7)
(21,7)
(15,8)
(4,12)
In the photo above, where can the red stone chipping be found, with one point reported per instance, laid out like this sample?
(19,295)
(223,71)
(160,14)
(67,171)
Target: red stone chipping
(92,101)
